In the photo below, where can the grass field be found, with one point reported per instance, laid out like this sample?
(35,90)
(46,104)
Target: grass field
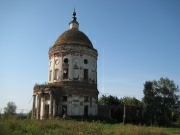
(13,126)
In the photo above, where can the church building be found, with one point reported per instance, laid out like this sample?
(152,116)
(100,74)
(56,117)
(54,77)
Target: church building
(72,84)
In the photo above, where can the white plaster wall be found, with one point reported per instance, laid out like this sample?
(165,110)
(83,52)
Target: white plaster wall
(47,102)
(81,110)
(69,109)
(94,107)
(74,108)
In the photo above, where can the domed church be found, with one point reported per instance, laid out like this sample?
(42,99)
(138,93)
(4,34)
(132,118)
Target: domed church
(72,84)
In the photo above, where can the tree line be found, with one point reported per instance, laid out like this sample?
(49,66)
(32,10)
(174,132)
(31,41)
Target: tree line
(114,100)
(161,101)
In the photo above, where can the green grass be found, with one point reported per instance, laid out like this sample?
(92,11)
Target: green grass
(13,126)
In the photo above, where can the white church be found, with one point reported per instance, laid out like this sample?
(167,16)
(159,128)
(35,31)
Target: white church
(72,83)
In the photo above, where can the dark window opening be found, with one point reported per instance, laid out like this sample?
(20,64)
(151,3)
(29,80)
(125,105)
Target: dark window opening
(85,111)
(65,60)
(64,98)
(86,99)
(65,74)
(85,61)
(85,74)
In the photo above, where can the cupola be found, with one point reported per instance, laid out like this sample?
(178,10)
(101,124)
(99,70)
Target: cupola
(74,23)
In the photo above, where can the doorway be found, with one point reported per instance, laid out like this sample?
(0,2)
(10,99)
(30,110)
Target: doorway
(85,111)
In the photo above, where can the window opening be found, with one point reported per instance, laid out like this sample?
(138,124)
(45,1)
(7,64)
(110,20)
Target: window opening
(85,111)
(85,61)
(64,98)
(65,74)
(86,99)
(85,74)
(65,60)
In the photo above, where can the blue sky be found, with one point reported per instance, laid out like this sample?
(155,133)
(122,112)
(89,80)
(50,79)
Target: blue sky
(137,41)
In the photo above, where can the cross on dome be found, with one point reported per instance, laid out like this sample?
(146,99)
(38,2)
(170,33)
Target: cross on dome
(74,15)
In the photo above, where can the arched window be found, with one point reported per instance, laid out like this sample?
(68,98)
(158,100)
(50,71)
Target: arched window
(66,60)
(85,61)
(65,71)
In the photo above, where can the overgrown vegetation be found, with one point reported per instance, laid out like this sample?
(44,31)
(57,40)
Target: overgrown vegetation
(161,100)
(15,126)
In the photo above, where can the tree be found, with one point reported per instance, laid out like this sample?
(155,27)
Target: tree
(131,101)
(149,101)
(109,100)
(10,109)
(113,100)
(161,99)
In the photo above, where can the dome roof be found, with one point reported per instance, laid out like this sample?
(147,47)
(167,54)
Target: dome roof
(73,37)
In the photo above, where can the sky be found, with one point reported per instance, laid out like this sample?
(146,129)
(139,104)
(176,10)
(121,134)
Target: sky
(137,41)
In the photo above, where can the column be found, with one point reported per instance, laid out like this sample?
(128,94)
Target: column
(42,108)
(39,111)
(53,72)
(61,67)
(33,107)
(51,105)
(38,106)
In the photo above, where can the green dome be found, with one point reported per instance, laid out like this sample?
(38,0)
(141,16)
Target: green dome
(73,37)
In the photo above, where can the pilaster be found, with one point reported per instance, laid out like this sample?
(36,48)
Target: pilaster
(54,108)
(51,105)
